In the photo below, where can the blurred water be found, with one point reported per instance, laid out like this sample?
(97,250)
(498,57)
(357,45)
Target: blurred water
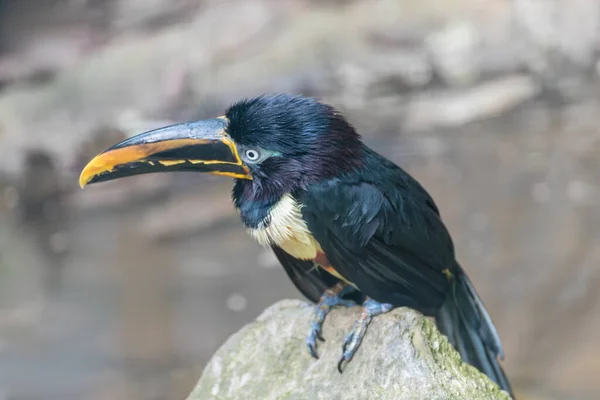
(123,316)
(93,306)
(127,313)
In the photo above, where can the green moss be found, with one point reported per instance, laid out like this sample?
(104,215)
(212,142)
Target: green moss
(444,357)
(266,360)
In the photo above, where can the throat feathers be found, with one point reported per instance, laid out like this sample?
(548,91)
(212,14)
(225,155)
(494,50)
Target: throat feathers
(286,229)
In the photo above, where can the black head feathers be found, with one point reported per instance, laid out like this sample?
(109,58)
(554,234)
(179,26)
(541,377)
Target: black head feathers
(290,124)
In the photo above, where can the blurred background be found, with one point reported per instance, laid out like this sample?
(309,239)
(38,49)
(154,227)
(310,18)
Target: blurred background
(124,290)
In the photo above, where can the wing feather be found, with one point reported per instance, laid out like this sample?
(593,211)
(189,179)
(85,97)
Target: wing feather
(308,278)
(393,247)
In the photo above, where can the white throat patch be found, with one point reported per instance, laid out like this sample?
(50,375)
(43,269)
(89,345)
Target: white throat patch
(287,230)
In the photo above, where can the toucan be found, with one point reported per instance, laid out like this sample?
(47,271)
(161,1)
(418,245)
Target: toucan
(349,227)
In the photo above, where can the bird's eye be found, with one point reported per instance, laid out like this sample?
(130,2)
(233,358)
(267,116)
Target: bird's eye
(252,155)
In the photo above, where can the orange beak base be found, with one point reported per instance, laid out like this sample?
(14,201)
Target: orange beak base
(201,146)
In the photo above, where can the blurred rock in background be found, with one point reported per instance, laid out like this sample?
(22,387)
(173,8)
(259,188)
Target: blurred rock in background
(492,105)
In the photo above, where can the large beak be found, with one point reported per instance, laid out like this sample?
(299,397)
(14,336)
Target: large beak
(202,146)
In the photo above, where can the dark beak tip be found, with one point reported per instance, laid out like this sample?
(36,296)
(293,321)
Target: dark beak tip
(201,146)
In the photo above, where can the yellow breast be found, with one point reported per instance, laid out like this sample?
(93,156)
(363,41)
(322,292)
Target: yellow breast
(288,230)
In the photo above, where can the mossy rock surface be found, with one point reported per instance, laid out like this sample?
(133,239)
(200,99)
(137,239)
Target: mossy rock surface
(402,357)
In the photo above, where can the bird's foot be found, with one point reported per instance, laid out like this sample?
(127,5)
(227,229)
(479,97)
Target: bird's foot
(371,308)
(331,297)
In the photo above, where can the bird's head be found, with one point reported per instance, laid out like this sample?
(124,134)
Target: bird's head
(278,143)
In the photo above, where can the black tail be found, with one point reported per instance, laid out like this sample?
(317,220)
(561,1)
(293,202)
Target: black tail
(465,321)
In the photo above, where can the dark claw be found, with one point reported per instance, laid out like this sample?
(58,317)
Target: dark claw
(330,298)
(340,363)
(348,339)
(320,337)
(347,354)
(313,351)
(353,340)
(311,340)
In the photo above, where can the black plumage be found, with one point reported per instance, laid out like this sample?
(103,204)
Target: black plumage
(377,225)
(381,230)
(345,222)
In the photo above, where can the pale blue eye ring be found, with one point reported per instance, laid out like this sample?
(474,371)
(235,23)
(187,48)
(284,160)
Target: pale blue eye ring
(251,155)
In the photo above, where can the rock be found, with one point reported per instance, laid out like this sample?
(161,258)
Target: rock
(136,14)
(454,51)
(402,357)
(569,27)
(384,73)
(454,108)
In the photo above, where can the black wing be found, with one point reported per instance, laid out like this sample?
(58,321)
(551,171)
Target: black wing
(310,280)
(386,237)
